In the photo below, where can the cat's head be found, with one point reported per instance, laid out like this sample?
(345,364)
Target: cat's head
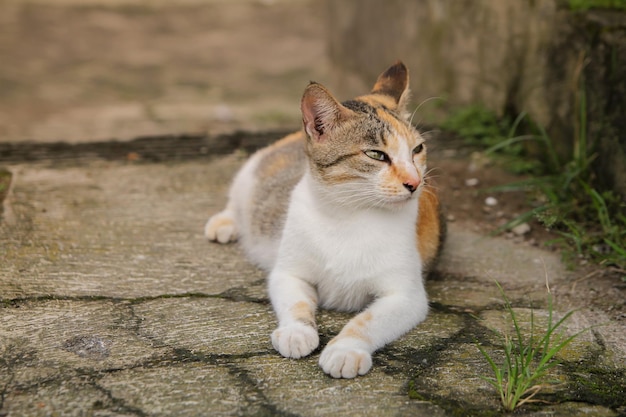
(365,152)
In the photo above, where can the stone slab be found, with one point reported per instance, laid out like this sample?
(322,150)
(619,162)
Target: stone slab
(114,304)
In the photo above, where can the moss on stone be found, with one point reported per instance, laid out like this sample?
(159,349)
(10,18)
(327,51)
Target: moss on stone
(595,385)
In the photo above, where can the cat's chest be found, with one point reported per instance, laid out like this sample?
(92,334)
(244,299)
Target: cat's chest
(350,245)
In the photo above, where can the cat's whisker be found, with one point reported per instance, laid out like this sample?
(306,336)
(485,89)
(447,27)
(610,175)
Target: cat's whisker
(429,180)
(433,188)
(431,177)
(353,197)
(427,133)
(431,173)
(419,106)
(364,201)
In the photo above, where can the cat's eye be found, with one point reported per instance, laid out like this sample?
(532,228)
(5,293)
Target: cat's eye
(377,155)
(418,149)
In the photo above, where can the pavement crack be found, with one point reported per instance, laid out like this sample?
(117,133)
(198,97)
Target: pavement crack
(233,294)
(239,294)
(20,301)
(189,356)
(114,403)
(256,402)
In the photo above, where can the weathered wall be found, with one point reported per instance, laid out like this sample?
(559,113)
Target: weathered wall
(511,56)
(605,81)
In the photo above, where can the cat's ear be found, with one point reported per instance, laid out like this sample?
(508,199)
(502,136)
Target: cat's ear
(320,111)
(394,82)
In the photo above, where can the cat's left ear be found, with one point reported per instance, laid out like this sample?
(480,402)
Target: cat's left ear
(394,82)
(321,112)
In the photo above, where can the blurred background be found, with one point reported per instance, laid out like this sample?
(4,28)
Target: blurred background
(77,70)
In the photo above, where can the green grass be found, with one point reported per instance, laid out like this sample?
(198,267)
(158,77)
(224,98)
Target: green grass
(577,5)
(481,127)
(527,360)
(5,181)
(588,221)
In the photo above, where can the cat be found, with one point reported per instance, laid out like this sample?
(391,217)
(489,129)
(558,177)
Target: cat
(343,216)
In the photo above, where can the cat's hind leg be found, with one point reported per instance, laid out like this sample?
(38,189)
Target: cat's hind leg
(227,225)
(222,227)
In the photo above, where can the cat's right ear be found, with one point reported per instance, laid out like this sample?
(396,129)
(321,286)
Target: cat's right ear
(320,111)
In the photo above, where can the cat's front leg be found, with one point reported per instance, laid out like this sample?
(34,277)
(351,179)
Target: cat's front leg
(294,301)
(350,352)
(346,357)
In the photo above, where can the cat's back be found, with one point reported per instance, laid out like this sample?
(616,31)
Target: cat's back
(282,162)
(264,190)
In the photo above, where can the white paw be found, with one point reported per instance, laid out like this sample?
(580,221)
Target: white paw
(295,341)
(341,360)
(221,228)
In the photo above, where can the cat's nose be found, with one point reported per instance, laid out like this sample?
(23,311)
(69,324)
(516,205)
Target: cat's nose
(411,186)
(410,177)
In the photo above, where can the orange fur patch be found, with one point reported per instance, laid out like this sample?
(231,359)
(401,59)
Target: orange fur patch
(428,226)
(278,161)
(276,165)
(223,221)
(356,328)
(376,100)
(303,312)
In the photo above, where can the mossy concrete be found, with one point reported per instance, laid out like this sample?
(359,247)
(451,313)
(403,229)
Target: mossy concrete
(114,304)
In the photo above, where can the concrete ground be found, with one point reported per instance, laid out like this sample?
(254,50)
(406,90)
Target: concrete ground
(112,303)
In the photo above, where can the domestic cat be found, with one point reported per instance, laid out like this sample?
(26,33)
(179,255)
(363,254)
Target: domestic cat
(343,216)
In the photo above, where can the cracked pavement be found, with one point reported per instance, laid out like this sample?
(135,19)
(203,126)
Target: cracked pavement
(113,304)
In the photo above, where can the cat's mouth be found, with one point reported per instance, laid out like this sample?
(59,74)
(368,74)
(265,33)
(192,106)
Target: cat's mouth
(399,201)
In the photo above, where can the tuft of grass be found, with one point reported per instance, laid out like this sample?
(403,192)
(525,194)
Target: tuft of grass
(590,222)
(481,127)
(581,5)
(527,360)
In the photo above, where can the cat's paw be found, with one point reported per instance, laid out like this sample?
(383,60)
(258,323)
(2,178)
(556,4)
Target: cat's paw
(221,228)
(341,360)
(296,340)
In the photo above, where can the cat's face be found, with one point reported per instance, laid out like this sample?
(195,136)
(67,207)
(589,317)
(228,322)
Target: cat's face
(374,158)
(363,151)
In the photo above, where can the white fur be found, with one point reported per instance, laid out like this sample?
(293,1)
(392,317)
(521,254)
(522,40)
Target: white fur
(345,253)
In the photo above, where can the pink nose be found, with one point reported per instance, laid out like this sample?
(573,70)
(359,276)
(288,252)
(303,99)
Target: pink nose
(411,184)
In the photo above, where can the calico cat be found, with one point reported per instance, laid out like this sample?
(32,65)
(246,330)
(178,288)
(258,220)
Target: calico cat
(343,216)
